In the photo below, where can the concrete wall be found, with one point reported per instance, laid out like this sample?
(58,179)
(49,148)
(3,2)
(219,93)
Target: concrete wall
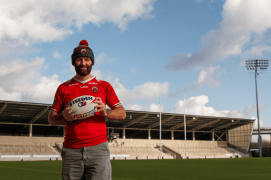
(240,136)
(128,142)
(144,142)
(22,139)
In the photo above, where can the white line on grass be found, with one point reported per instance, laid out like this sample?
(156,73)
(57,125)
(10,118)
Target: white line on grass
(29,169)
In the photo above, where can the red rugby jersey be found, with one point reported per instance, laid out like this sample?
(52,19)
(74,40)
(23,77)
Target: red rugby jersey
(90,131)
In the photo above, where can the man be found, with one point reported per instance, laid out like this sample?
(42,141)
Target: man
(85,153)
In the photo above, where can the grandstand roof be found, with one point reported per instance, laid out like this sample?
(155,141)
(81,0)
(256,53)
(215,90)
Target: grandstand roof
(23,113)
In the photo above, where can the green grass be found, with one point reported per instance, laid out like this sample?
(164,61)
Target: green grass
(198,169)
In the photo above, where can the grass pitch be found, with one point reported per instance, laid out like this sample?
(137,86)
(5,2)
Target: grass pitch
(189,169)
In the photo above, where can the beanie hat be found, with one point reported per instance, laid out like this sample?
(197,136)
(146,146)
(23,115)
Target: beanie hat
(82,50)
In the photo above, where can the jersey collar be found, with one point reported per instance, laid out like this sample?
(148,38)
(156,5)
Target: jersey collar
(84,80)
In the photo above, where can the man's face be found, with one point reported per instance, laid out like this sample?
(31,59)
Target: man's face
(83,66)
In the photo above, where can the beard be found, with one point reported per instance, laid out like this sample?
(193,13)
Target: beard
(83,72)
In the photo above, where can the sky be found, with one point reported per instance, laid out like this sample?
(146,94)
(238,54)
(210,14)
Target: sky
(191,49)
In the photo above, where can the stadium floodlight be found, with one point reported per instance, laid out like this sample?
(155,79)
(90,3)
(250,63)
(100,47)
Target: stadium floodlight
(253,65)
(184,121)
(160,126)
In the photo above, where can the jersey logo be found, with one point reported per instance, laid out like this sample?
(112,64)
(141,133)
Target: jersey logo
(83,86)
(74,84)
(94,89)
(92,83)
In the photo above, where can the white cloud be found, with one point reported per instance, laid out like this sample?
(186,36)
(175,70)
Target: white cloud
(47,21)
(100,59)
(57,55)
(242,20)
(148,91)
(252,108)
(255,50)
(70,71)
(17,75)
(23,24)
(206,77)
(197,106)
(109,76)
(10,96)
(96,73)
(43,91)
(263,125)
(20,81)
(19,66)
(112,60)
(151,108)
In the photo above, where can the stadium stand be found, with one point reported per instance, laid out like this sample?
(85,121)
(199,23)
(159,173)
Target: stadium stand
(26,135)
(136,152)
(23,148)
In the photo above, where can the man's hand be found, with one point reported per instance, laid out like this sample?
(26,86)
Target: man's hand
(100,107)
(57,119)
(67,115)
(117,114)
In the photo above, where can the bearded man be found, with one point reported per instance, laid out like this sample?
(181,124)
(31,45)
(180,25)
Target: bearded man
(85,153)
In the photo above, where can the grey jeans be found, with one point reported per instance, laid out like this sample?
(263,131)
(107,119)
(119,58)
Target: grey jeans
(87,163)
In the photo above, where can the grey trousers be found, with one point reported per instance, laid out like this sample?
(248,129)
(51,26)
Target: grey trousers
(87,163)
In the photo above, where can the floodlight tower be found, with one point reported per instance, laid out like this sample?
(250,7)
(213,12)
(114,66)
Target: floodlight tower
(253,65)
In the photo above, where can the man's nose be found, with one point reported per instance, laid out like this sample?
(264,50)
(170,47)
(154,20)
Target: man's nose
(83,62)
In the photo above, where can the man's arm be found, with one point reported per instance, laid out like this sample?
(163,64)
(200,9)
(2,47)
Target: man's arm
(57,119)
(117,114)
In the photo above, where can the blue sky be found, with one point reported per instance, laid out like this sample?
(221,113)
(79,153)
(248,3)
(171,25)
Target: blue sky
(143,48)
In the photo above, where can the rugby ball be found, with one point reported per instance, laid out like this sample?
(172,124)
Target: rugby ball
(83,106)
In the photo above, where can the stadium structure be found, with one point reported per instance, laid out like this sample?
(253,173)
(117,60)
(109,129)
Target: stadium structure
(25,134)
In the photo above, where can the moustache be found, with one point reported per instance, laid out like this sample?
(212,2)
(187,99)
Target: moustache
(82,72)
(83,66)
